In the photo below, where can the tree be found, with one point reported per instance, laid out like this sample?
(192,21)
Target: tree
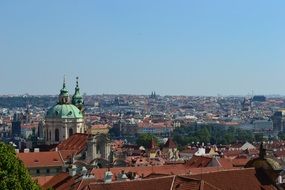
(214,134)
(258,137)
(281,135)
(13,174)
(204,135)
(145,140)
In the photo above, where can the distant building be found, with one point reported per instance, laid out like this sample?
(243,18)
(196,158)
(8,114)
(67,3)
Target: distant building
(161,129)
(42,163)
(246,104)
(99,129)
(16,125)
(5,131)
(278,119)
(153,95)
(259,99)
(263,125)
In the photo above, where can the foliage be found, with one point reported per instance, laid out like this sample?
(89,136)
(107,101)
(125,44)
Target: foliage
(145,140)
(214,134)
(258,137)
(13,174)
(281,135)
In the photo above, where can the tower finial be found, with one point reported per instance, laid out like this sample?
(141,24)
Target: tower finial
(64,80)
(77,82)
(77,99)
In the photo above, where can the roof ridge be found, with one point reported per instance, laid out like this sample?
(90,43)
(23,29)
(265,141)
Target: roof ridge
(221,169)
(173,181)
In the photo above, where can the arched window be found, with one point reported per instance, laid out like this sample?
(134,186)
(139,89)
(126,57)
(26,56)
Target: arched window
(56,135)
(70,132)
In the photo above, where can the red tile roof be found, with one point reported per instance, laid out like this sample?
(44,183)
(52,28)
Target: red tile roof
(41,159)
(242,179)
(42,179)
(198,161)
(77,142)
(162,183)
(62,181)
(240,162)
(175,169)
(170,144)
(182,183)
(67,154)
(144,170)
(225,163)
(234,179)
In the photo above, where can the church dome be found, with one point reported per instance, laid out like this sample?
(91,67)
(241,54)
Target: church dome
(64,111)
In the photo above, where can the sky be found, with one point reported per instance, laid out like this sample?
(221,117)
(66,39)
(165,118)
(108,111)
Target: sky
(183,47)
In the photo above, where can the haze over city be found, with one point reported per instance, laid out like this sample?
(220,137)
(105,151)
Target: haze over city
(135,47)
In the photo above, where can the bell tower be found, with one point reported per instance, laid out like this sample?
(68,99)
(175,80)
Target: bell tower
(77,99)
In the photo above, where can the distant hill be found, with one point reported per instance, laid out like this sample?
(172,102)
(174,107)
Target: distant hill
(24,101)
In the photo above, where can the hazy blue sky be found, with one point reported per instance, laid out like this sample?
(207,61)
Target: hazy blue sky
(189,47)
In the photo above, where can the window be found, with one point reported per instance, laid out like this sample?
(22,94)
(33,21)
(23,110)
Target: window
(70,132)
(56,135)
(38,171)
(47,171)
(97,148)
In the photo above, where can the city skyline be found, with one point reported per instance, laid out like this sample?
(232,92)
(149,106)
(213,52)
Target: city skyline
(127,47)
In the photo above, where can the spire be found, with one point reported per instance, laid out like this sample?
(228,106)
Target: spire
(63,86)
(77,82)
(77,88)
(77,99)
(63,96)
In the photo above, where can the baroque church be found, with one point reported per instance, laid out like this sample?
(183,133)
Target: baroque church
(65,118)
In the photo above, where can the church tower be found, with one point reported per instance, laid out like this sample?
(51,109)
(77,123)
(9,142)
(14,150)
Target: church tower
(63,119)
(63,97)
(77,99)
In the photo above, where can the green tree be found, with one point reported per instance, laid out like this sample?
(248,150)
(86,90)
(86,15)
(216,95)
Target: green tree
(244,135)
(204,135)
(281,135)
(145,140)
(13,174)
(258,137)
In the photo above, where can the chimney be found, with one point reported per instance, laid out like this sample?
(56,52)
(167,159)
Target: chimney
(83,171)
(72,170)
(108,176)
(279,180)
(26,150)
(122,176)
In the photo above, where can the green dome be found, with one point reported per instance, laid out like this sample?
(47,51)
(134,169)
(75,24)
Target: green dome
(65,111)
